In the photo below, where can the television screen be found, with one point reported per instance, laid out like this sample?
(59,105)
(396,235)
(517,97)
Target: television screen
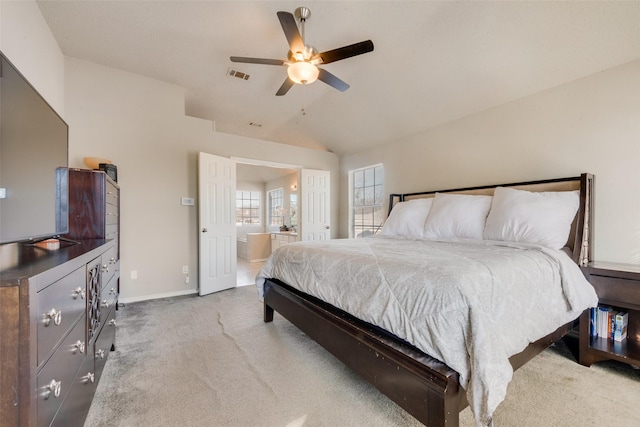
(33,162)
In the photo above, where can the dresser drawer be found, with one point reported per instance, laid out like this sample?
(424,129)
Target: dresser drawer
(56,376)
(75,406)
(105,340)
(112,194)
(108,301)
(109,265)
(111,214)
(111,231)
(110,289)
(59,306)
(616,289)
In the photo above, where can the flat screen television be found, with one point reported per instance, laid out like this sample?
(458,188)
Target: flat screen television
(33,162)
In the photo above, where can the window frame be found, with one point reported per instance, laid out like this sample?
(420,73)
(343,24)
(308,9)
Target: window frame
(275,218)
(242,208)
(366,199)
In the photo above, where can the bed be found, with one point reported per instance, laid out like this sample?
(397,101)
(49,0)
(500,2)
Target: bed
(433,314)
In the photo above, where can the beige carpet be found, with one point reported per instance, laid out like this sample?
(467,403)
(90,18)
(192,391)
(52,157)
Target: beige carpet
(211,361)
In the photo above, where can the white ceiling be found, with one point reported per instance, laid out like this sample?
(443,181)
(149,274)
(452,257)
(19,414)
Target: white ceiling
(433,62)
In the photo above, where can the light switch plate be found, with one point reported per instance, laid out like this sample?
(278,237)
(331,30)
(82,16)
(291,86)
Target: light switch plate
(187,201)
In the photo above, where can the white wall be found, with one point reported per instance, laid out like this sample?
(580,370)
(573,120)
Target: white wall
(589,125)
(139,124)
(26,40)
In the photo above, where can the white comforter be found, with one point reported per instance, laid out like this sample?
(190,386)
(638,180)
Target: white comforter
(470,304)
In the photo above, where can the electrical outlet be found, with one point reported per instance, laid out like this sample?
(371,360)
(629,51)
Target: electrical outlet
(186,279)
(134,274)
(185,269)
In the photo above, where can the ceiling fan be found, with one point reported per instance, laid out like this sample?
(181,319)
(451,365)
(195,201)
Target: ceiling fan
(302,59)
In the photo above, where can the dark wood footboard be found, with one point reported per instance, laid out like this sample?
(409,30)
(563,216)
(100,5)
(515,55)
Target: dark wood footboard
(423,386)
(426,388)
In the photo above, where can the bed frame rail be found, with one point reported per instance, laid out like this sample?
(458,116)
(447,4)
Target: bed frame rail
(426,388)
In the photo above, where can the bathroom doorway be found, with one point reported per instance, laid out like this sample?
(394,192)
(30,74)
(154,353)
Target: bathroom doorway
(266,204)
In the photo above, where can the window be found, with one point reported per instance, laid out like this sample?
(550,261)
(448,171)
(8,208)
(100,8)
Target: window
(247,208)
(275,199)
(366,200)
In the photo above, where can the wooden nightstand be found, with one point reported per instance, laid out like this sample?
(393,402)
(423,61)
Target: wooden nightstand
(618,286)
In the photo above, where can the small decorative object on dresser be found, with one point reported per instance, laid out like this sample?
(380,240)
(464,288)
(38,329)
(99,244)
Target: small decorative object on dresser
(618,288)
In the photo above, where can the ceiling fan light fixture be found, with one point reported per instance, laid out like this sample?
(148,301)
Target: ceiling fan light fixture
(303,72)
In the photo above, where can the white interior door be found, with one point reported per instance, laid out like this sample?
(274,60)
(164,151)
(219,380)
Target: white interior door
(217,232)
(315,220)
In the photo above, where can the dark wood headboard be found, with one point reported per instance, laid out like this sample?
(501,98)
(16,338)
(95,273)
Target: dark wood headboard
(581,236)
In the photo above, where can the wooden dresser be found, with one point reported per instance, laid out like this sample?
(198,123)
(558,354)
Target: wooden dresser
(48,368)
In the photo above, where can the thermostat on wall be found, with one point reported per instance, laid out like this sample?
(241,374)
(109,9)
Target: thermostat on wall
(187,201)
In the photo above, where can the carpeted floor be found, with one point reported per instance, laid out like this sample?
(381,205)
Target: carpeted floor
(211,361)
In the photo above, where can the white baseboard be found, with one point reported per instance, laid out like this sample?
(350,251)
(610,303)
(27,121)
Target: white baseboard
(157,296)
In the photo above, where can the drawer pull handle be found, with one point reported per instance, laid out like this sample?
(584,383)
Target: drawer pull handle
(112,291)
(105,304)
(55,315)
(112,322)
(105,268)
(100,353)
(79,346)
(79,292)
(55,387)
(89,378)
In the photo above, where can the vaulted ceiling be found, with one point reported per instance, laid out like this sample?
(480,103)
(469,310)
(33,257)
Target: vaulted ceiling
(434,61)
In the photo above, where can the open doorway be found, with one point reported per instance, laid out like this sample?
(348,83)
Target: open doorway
(294,206)
(266,214)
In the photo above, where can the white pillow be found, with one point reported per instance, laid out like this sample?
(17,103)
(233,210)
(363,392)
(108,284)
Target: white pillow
(522,216)
(407,219)
(457,216)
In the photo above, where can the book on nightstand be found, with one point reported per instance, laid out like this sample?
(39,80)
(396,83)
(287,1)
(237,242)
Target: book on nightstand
(604,322)
(620,326)
(608,323)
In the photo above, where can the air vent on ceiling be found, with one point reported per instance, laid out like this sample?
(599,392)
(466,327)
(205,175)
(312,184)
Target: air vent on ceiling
(238,74)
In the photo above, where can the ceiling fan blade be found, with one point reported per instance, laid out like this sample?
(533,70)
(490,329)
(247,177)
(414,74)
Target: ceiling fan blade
(257,60)
(332,80)
(285,87)
(346,51)
(291,31)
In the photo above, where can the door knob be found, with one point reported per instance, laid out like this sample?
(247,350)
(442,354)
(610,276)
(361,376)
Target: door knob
(204,229)
(326,226)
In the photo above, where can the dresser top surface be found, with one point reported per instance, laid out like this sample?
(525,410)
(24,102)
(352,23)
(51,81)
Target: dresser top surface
(19,261)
